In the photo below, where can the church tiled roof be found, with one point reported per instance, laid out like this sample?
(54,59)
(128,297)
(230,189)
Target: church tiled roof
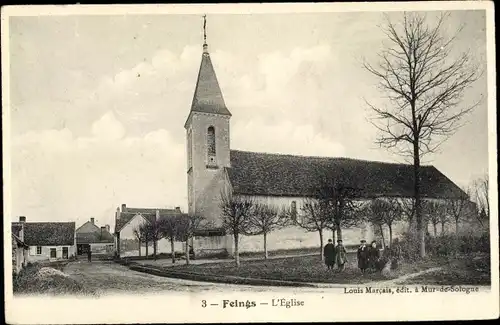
(208,95)
(266,174)
(147,213)
(49,233)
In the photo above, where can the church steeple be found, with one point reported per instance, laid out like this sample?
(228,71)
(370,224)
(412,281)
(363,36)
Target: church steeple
(208,95)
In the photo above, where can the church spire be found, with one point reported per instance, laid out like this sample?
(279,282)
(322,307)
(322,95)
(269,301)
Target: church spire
(207,94)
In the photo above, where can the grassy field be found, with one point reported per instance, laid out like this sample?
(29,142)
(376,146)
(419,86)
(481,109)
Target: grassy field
(467,270)
(303,269)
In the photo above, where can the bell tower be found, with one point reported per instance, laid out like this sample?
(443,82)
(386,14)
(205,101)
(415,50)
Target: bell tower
(207,133)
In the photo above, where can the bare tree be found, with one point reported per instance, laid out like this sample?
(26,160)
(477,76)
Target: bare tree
(314,216)
(481,190)
(170,227)
(338,200)
(424,82)
(407,207)
(188,224)
(145,231)
(264,219)
(235,213)
(140,235)
(383,212)
(444,218)
(458,209)
(435,212)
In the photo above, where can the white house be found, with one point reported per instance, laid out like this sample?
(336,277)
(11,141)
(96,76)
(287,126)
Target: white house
(277,179)
(48,241)
(129,219)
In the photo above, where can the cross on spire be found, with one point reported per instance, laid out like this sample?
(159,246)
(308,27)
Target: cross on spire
(204,29)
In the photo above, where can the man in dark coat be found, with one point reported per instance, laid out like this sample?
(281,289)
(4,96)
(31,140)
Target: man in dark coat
(89,255)
(329,254)
(363,256)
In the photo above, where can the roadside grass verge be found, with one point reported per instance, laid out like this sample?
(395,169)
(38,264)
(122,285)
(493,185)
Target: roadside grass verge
(474,269)
(301,269)
(44,279)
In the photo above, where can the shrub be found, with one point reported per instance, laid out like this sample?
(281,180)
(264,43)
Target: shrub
(463,244)
(31,281)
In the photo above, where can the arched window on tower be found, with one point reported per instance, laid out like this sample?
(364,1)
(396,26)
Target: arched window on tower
(211,145)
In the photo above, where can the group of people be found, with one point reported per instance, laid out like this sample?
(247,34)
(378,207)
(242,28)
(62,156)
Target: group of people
(335,255)
(368,256)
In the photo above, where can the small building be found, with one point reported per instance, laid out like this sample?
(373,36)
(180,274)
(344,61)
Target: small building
(99,240)
(50,241)
(127,220)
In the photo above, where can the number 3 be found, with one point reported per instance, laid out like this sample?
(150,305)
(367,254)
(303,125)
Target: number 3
(203,303)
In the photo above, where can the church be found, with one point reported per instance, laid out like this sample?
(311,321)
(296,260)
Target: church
(276,179)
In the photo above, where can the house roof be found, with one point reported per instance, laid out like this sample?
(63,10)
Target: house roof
(253,173)
(208,95)
(49,233)
(148,214)
(18,241)
(16,228)
(88,222)
(99,236)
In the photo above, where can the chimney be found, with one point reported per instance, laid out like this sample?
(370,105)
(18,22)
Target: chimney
(92,220)
(22,219)
(107,228)
(124,207)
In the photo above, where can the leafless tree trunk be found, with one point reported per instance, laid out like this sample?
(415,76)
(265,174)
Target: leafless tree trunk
(172,248)
(381,229)
(139,247)
(236,249)
(263,220)
(339,233)
(265,246)
(390,234)
(236,212)
(321,245)
(155,247)
(187,252)
(424,83)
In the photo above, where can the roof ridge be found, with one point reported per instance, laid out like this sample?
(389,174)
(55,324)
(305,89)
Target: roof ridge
(131,208)
(46,222)
(325,157)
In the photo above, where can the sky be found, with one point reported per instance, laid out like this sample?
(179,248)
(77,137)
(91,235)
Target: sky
(98,103)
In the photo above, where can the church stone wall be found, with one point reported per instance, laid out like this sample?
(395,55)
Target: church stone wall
(208,181)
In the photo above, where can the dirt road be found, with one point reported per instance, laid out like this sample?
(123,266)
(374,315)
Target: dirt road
(110,278)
